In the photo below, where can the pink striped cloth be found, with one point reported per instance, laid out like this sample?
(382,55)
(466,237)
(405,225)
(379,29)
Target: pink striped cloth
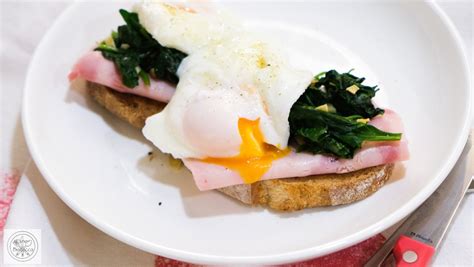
(8,184)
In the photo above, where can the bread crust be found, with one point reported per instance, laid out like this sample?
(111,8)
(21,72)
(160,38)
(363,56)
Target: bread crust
(288,194)
(292,194)
(130,108)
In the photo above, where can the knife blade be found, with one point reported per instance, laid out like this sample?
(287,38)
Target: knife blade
(471,187)
(417,238)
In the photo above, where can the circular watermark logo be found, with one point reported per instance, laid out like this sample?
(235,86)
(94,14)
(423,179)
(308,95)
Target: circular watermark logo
(22,246)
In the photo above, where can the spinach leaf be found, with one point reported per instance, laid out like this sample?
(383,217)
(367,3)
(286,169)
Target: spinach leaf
(136,54)
(344,91)
(318,131)
(341,129)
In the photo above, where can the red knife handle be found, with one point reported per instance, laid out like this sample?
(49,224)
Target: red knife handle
(412,253)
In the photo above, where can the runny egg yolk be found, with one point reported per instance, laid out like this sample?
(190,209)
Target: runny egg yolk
(255,156)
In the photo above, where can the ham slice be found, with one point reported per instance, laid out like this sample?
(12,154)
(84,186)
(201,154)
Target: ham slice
(210,176)
(95,68)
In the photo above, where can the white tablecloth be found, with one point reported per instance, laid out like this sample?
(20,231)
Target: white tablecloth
(67,239)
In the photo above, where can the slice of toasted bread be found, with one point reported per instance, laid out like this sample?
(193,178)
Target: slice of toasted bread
(287,194)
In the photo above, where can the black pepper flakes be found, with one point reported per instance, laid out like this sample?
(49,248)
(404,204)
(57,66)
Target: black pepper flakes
(151,156)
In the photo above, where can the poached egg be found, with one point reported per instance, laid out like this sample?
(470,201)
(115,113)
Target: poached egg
(234,95)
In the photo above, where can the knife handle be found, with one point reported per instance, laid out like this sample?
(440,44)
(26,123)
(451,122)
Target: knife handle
(412,253)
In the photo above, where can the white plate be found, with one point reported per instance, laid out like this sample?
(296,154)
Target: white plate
(99,166)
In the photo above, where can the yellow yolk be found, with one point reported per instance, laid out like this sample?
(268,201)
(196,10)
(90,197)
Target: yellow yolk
(255,157)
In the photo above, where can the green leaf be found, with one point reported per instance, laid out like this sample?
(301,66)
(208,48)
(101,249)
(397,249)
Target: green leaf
(145,77)
(135,49)
(318,131)
(330,87)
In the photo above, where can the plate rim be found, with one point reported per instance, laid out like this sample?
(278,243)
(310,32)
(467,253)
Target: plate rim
(280,258)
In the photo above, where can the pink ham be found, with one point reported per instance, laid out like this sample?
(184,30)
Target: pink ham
(95,68)
(209,176)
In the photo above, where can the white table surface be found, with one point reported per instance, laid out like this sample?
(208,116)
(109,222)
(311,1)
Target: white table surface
(71,240)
